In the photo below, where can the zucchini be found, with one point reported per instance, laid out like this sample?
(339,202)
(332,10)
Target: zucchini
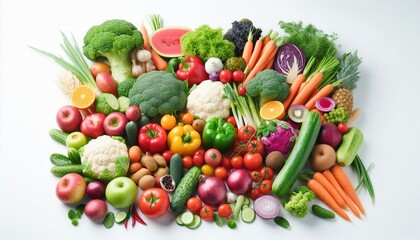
(299,155)
(58,135)
(132,133)
(60,171)
(185,189)
(349,147)
(176,170)
(59,159)
(322,212)
(74,155)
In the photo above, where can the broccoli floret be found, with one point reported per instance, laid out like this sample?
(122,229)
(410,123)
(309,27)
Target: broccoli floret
(239,32)
(235,63)
(268,85)
(158,93)
(298,204)
(113,39)
(124,87)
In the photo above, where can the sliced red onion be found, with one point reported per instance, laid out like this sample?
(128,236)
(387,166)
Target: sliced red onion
(267,207)
(290,61)
(325,104)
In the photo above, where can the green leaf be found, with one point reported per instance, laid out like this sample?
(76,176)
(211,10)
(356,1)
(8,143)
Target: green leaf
(71,214)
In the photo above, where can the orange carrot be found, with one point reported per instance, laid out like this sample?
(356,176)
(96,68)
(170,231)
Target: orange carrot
(314,92)
(248,48)
(333,181)
(323,92)
(161,64)
(134,153)
(301,87)
(293,90)
(254,56)
(330,189)
(267,37)
(262,61)
(271,59)
(146,41)
(326,198)
(348,188)
(307,90)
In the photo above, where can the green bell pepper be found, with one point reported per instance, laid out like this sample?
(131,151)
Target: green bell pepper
(219,134)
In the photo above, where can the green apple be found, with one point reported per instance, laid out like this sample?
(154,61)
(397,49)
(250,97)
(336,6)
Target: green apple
(76,140)
(121,192)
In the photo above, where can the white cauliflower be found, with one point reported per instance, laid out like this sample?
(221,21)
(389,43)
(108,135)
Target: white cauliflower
(105,158)
(206,101)
(67,82)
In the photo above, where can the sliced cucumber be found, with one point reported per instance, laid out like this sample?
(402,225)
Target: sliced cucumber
(187,218)
(248,215)
(178,220)
(121,216)
(247,201)
(196,222)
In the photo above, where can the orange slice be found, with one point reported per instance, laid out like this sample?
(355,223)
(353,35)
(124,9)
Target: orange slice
(83,97)
(272,110)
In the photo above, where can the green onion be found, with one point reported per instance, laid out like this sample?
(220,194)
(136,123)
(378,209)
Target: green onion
(363,176)
(155,21)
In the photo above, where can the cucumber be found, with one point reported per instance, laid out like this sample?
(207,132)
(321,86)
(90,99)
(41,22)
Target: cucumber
(185,189)
(121,216)
(176,170)
(58,135)
(74,155)
(132,133)
(178,220)
(218,220)
(299,155)
(349,147)
(196,223)
(60,171)
(248,215)
(59,159)
(187,218)
(282,222)
(322,212)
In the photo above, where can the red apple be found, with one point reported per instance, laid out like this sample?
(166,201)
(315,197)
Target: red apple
(213,157)
(133,113)
(114,124)
(99,67)
(95,189)
(69,118)
(329,134)
(106,83)
(96,210)
(93,125)
(71,188)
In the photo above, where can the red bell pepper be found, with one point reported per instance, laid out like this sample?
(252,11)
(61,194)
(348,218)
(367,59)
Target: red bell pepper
(193,70)
(152,138)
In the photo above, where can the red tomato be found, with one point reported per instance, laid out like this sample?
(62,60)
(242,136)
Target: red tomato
(231,119)
(224,210)
(253,161)
(342,128)
(240,147)
(237,161)
(207,213)
(154,202)
(265,186)
(187,162)
(238,76)
(256,176)
(267,173)
(226,163)
(213,157)
(254,193)
(246,132)
(167,155)
(221,172)
(225,76)
(198,158)
(241,90)
(256,146)
(194,204)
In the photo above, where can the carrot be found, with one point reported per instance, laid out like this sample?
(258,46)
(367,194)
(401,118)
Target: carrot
(330,188)
(327,173)
(248,48)
(161,64)
(307,90)
(323,92)
(134,167)
(254,56)
(134,153)
(326,198)
(348,188)
(301,87)
(267,37)
(146,41)
(271,59)
(293,90)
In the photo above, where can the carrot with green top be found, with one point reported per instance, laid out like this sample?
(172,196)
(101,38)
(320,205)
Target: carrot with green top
(310,86)
(293,90)
(254,56)
(146,41)
(248,48)
(323,92)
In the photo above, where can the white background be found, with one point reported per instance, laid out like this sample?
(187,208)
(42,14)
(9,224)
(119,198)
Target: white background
(385,33)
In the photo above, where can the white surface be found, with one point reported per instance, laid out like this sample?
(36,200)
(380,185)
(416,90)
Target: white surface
(386,35)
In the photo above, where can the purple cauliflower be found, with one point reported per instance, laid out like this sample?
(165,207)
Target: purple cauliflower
(279,136)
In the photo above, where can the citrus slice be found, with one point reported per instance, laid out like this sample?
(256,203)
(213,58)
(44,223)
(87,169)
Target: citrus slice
(83,97)
(272,110)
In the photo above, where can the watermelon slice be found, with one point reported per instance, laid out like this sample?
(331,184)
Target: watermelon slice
(166,41)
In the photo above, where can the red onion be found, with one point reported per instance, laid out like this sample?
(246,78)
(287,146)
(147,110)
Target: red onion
(325,104)
(267,207)
(212,191)
(239,181)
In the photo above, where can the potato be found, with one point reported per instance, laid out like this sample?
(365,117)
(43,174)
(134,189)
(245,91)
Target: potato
(146,182)
(322,157)
(149,162)
(275,160)
(139,174)
(198,125)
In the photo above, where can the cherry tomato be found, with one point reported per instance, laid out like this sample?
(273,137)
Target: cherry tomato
(221,172)
(187,162)
(254,193)
(207,213)
(237,161)
(240,147)
(265,186)
(167,155)
(224,210)
(154,202)
(194,204)
(256,146)
(246,132)
(226,163)
(267,173)
(238,76)
(168,121)
(241,90)
(198,158)
(342,128)
(253,160)
(187,118)
(207,170)
(256,176)
(231,119)
(225,76)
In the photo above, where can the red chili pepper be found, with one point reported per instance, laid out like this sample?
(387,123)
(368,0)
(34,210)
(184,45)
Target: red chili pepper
(137,216)
(193,70)
(152,138)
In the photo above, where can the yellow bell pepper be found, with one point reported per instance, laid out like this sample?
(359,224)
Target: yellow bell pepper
(184,140)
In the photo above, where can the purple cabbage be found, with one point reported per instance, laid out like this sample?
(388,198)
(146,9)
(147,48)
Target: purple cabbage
(290,61)
(282,139)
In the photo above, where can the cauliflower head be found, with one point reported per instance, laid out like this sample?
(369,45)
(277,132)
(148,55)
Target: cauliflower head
(207,101)
(105,158)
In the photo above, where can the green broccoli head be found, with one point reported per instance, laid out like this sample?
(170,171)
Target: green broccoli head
(298,204)
(268,85)
(124,87)
(158,93)
(113,39)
